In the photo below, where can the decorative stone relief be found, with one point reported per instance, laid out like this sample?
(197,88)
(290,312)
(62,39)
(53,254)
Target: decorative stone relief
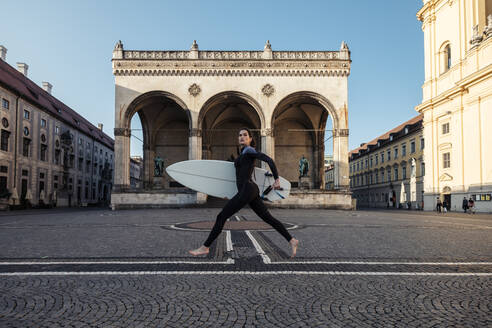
(267,132)
(194,90)
(195,132)
(122,132)
(268,90)
(476,37)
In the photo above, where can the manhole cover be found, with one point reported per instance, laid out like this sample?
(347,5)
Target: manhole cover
(231,225)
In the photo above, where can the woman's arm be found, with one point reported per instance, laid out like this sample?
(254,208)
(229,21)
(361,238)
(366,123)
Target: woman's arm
(251,152)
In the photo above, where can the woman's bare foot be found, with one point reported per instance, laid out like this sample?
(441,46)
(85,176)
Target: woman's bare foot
(293,244)
(202,250)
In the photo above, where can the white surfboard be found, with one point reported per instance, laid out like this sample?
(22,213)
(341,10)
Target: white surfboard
(218,178)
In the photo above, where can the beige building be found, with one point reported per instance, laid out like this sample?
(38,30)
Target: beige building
(192,103)
(457,101)
(389,170)
(49,154)
(136,170)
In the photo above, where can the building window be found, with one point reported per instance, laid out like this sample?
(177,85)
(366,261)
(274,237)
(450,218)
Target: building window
(5,140)
(445,128)
(25,147)
(382,176)
(447,57)
(404,149)
(57,129)
(376,178)
(389,155)
(57,156)
(80,141)
(5,122)
(403,172)
(422,143)
(422,169)
(43,123)
(370,162)
(412,147)
(446,160)
(3,184)
(376,158)
(5,103)
(382,157)
(357,166)
(388,175)
(44,149)
(81,163)
(26,131)
(395,151)
(26,114)
(396,173)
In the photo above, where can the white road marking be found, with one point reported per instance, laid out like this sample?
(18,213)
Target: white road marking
(228,241)
(254,273)
(382,263)
(260,250)
(228,261)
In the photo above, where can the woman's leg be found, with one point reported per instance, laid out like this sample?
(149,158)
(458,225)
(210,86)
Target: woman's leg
(260,209)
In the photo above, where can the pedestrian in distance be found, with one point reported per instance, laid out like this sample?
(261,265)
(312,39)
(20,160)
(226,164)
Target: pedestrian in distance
(248,193)
(438,205)
(471,205)
(465,205)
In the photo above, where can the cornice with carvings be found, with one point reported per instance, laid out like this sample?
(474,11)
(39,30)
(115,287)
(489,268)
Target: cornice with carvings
(231,68)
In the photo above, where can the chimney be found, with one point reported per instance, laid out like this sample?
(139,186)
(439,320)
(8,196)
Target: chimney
(22,67)
(3,53)
(100,126)
(47,87)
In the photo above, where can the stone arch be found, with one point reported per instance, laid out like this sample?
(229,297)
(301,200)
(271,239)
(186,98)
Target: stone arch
(220,97)
(326,104)
(223,113)
(134,105)
(311,110)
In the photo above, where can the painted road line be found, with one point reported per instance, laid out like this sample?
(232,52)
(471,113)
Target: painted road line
(253,273)
(228,261)
(382,263)
(258,248)
(228,241)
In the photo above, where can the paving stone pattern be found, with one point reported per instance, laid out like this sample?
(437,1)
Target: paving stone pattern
(248,292)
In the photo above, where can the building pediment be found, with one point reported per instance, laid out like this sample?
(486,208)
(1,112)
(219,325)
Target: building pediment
(445,177)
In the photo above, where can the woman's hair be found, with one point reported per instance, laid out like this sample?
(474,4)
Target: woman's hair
(253,143)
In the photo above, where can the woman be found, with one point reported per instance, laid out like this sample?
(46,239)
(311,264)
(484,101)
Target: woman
(248,193)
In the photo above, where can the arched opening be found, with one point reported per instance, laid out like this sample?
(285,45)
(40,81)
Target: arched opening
(220,120)
(300,130)
(159,133)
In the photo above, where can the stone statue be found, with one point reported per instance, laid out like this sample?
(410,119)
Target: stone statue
(303,166)
(158,166)
(413,173)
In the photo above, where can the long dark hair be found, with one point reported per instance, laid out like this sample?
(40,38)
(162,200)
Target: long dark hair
(253,143)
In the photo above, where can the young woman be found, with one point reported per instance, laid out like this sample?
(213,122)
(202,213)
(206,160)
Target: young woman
(248,193)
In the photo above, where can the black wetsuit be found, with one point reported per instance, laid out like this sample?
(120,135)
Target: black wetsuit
(248,193)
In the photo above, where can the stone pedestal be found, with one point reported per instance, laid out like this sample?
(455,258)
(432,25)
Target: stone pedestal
(158,183)
(305,183)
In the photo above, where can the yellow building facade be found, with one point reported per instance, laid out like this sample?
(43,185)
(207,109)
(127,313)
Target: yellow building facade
(457,102)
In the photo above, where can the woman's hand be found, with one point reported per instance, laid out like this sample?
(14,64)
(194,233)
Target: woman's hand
(276,184)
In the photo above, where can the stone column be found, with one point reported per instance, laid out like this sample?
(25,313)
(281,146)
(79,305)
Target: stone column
(195,144)
(122,159)
(340,158)
(147,167)
(267,145)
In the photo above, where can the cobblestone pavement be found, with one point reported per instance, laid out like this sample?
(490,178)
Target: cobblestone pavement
(97,268)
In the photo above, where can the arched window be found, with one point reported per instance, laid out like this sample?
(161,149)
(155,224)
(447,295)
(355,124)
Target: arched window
(445,57)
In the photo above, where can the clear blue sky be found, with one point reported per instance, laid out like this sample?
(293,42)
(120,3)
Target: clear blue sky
(69,43)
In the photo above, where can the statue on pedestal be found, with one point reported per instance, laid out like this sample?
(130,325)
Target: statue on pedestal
(303,167)
(158,166)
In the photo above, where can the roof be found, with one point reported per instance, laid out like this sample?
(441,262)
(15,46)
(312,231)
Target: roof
(15,81)
(386,136)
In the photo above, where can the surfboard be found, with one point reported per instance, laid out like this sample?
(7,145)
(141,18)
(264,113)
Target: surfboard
(218,179)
